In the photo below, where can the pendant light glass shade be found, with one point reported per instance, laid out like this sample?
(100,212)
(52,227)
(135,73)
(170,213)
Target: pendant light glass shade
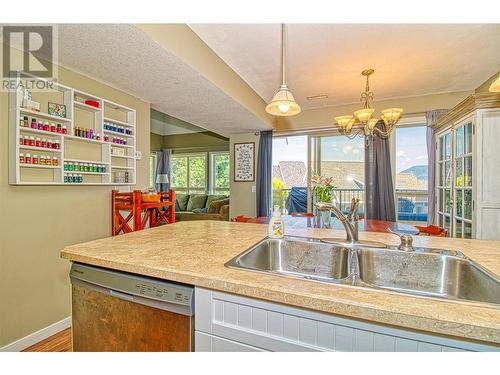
(283,102)
(364,115)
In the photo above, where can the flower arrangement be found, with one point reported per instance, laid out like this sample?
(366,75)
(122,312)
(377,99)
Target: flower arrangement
(322,187)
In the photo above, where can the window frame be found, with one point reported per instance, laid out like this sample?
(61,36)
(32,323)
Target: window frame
(154,156)
(188,189)
(212,171)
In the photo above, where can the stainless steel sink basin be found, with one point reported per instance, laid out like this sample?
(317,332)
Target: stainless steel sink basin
(426,272)
(296,257)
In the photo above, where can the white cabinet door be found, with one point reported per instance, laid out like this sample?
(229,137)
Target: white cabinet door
(270,326)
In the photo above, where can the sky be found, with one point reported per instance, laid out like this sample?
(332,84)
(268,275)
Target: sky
(411,148)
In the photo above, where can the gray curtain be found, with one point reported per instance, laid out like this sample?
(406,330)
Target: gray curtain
(379,188)
(163,167)
(432,117)
(265,174)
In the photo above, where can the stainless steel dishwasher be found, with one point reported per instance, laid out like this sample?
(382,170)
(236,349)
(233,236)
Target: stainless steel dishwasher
(119,311)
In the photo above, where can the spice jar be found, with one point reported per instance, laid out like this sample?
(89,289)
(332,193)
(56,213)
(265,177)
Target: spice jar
(21,158)
(44,143)
(38,142)
(46,126)
(32,141)
(21,140)
(59,128)
(26,140)
(57,145)
(34,160)
(27,159)
(40,126)
(64,129)
(55,162)
(49,143)
(53,127)
(34,124)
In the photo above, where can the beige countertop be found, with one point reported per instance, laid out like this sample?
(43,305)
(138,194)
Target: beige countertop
(195,252)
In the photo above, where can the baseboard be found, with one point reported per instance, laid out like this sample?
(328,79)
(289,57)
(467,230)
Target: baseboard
(37,336)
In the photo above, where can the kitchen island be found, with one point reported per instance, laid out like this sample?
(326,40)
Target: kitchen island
(194,253)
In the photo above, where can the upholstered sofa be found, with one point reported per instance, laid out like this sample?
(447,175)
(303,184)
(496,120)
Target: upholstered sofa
(201,207)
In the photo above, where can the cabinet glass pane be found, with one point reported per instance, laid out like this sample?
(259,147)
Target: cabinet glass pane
(447,224)
(447,173)
(468,204)
(447,201)
(441,148)
(441,174)
(459,141)
(441,200)
(459,179)
(468,138)
(458,203)
(468,171)
(467,230)
(447,146)
(458,228)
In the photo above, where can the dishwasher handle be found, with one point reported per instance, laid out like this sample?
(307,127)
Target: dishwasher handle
(125,296)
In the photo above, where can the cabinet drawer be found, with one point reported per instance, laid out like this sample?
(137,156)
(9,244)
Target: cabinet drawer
(209,343)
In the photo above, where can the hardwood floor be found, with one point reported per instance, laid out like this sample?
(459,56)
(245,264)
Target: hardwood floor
(60,342)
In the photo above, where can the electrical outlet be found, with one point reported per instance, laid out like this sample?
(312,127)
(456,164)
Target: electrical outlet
(138,155)
(254,189)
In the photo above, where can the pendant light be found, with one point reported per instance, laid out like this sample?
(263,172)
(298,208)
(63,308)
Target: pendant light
(283,103)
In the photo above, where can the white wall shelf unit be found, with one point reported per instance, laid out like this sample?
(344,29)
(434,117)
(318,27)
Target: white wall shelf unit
(91,149)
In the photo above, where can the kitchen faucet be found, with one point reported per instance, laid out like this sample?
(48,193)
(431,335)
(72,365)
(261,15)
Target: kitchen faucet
(350,223)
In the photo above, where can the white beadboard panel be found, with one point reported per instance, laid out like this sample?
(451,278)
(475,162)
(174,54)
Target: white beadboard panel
(230,313)
(276,327)
(383,343)
(326,334)
(364,341)
(259,320)
(291,327)
(275,323)
(245,316)
(308,331)
(344,339)
(406,345)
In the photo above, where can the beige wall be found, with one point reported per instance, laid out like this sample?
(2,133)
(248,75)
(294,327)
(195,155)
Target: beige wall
(324,117)
(155,142)
(196,142)
(243,201)
(38,221)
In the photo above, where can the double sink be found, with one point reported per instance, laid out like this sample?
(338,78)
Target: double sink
(427,272)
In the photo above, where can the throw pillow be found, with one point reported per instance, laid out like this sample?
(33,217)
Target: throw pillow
(215,206)
(196,201)
(212,198)
(181,202)
(200,210)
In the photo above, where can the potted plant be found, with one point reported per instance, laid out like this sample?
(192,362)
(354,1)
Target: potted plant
(322,188)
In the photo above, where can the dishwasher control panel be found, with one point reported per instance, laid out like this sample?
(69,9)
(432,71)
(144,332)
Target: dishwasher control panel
(131,284)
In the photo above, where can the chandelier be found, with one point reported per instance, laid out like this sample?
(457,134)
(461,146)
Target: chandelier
(362,123)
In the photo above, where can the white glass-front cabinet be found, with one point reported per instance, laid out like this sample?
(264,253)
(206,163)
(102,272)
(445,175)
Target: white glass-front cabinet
(455,179)
(468,175)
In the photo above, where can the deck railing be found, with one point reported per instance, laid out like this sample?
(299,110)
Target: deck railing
(411,204)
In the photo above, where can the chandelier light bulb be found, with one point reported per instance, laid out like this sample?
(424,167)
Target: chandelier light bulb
(283,108)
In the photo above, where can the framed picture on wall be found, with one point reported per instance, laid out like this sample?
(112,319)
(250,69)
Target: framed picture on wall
(244,162)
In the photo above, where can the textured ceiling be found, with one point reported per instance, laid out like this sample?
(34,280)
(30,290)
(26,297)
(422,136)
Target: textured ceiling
(409,60)
(164,124)
(128,59)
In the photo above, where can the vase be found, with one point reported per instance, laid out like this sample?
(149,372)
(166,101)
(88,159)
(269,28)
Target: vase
(326,215)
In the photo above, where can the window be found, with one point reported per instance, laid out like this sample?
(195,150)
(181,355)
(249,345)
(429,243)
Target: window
(193,174)
(411,173)
(152,169)
(219,173)
(189,173)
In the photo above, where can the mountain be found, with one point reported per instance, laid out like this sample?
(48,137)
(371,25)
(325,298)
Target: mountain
(420,171)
